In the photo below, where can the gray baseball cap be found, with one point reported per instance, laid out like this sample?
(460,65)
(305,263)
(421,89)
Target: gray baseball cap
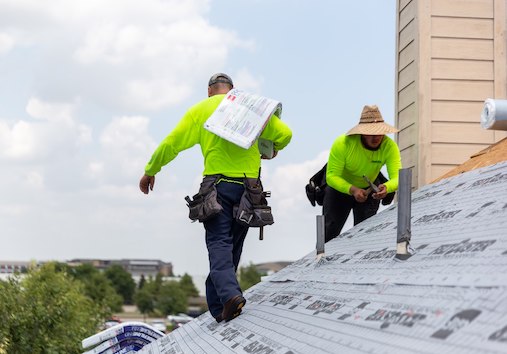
(220,77)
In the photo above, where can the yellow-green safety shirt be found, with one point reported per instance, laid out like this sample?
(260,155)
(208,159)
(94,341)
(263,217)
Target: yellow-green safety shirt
(349,160)
(220,155)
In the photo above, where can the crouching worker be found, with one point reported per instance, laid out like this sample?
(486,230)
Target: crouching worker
(354,158)
(225,167)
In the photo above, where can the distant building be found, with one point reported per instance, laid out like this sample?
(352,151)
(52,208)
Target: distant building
(136,267)
(11,267)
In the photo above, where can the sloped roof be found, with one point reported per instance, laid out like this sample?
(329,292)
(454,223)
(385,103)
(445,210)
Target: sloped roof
(449,297)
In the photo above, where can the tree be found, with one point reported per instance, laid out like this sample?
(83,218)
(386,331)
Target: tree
(47,311)
(122,282)
(142,281)
(158,282)
(187,285)
(98,288)
(248,276)
(171,298)
(145,301)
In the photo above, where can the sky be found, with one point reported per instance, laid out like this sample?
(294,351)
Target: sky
(89,88)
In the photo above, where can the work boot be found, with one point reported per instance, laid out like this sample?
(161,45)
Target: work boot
(219,318)
(232,308)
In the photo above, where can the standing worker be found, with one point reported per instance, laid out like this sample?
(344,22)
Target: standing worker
(354,158)
(226,165)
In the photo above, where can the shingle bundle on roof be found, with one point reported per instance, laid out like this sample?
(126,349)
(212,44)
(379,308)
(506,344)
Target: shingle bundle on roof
(123,338)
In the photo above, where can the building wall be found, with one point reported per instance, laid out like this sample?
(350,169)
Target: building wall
(11,267)
(136,267)
(451,56)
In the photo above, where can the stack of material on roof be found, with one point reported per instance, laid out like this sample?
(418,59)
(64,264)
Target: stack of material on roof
(123,338)
(449,297)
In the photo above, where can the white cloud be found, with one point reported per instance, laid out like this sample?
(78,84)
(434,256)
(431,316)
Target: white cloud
(17,142)
(51,112)
(125,148)
(6,43)
(154,94)
(166,56)
(35,179)
(163,52)
(138,55)
(55,133)
(245,80)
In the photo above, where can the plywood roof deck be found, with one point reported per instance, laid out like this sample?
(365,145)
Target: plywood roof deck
(493,154)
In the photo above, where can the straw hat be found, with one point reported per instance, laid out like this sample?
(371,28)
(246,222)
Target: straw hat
(371,123)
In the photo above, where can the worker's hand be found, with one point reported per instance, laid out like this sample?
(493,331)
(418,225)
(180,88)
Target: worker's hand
(264,157)
(146,183)
(359,194)
(381,194)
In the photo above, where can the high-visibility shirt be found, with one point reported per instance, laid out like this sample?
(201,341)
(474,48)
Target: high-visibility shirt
(220,155)
(349,160)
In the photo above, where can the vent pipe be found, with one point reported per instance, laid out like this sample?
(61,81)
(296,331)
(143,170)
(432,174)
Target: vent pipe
(404,232)
(320,236)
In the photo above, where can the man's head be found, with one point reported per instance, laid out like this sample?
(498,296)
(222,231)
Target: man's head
(219,83)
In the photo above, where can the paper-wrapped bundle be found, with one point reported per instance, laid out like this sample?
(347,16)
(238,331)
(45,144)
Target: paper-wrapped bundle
(494,114)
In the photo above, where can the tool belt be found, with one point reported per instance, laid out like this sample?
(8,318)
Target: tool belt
(204,205)
(253,209)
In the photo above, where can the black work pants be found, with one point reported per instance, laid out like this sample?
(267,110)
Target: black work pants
(336,209)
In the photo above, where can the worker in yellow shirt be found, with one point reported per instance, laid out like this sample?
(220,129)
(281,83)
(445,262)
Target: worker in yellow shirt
(355,157)
(226,167)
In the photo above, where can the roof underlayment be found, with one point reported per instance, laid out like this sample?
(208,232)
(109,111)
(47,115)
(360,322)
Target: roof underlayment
(449,297)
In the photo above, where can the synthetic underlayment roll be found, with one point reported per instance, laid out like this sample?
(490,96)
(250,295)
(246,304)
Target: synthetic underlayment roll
(494,114)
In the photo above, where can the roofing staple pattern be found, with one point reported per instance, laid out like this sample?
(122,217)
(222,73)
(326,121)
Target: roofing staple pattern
(449,297)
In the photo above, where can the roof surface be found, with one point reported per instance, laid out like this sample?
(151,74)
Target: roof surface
(449,297)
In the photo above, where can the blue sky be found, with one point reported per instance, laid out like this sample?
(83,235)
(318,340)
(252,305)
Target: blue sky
(89,88)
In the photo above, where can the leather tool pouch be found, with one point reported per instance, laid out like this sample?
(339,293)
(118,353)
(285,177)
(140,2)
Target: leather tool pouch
(253,209)
(204,205)
(316,187)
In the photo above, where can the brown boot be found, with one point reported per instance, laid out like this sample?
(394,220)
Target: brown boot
(232,308)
